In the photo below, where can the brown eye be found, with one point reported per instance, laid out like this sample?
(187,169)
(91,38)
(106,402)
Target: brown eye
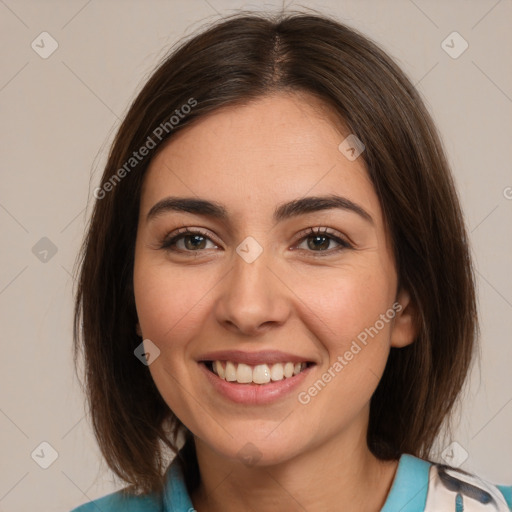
(318,240)
(193,241)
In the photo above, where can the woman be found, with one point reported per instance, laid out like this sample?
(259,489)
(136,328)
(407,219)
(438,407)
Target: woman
(276,283)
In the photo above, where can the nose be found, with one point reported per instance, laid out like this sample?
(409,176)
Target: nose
(253,297)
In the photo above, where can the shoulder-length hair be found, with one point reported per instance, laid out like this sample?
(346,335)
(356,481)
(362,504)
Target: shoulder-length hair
(232,62)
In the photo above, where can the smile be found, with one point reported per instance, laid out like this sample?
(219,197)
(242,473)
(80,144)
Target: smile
(255,378)
(242,373)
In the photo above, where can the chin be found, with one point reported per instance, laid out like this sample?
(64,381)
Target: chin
(253,451)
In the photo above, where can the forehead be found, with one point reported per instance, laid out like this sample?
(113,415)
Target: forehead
(250,157)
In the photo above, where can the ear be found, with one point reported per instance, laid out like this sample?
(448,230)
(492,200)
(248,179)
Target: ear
(138,330)
(405,324)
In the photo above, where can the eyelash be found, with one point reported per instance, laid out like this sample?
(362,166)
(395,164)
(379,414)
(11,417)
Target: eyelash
(170,241)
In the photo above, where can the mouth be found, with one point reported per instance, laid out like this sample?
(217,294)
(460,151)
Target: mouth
(261,374)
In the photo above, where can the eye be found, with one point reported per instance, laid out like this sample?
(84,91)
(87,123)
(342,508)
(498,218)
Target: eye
(196,240)
(193,240)
(318,240)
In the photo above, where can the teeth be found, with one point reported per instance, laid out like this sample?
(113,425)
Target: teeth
(230,372)
(259,374)
(219,369)
(277,371)
(244,374)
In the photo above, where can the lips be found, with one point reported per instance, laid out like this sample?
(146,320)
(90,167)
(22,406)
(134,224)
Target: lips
(255,358)
(250,392)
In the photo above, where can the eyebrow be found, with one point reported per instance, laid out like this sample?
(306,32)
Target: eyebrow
(284,211)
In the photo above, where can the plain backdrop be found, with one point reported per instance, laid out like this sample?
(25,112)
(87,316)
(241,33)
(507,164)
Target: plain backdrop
(59,113)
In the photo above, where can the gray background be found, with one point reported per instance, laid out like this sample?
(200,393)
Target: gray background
(58,116)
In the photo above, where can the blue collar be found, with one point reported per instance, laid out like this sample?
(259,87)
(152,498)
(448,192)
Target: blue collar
(176,497)
(409,489)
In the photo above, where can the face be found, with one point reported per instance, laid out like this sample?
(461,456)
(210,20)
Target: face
(273,323)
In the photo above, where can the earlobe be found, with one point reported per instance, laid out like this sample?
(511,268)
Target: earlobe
(138,329)
(405,324)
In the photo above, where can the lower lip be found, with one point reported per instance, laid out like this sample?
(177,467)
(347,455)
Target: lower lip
(255,394)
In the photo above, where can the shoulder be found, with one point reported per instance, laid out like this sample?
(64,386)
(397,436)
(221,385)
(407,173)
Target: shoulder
(453,489)
(175,497)
(122,502)
(468,491)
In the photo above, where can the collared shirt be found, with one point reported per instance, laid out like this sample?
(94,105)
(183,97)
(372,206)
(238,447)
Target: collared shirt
(418,486)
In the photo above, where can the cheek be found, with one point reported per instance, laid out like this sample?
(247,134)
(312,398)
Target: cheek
(346,308)
(170,311)
(168,303)
(346,301)
(356,344)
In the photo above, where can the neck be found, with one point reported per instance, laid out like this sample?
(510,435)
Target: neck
(339,475)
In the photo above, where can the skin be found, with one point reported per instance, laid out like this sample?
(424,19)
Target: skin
(307,301)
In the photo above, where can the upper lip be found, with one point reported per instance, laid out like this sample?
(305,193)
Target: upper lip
(254,358)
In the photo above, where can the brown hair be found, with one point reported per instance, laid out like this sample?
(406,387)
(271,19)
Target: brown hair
(233,62)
